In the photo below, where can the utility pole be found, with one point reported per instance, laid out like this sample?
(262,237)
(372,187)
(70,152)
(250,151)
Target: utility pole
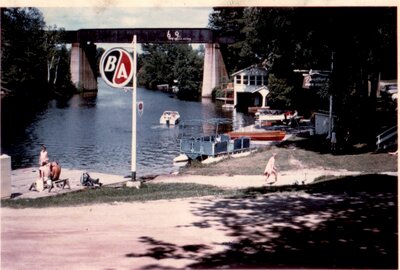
(331,101)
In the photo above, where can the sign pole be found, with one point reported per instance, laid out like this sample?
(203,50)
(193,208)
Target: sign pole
(118,69)
(133,160)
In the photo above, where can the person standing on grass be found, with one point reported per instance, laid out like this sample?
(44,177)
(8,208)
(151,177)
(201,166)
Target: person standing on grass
(333,140)
(271,169)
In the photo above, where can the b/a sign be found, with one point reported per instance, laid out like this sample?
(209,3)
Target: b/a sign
(116,67)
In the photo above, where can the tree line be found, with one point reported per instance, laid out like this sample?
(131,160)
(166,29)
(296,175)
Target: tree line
(34,57)
(35,60)
(360,44)
(173,64)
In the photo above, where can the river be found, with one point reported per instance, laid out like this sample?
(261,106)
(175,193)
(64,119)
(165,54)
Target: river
(93,133)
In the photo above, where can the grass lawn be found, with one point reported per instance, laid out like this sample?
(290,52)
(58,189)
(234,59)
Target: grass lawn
(298,155)
(169,191)
(148,192)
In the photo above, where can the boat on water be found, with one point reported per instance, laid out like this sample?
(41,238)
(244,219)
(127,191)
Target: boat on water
(261,135)
(170,118)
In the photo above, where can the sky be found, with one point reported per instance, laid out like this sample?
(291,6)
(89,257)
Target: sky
(73,18)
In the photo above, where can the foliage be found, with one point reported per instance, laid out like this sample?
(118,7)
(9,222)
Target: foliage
(34,57)
(217,92)
(62,84)
(173,64)
(281,93)
(358,42)
(23,59)
(229,22)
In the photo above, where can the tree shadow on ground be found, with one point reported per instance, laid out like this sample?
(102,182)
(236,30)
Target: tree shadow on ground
(321,145)
(347,223)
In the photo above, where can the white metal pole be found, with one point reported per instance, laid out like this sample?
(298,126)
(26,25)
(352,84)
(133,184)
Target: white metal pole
(133,161)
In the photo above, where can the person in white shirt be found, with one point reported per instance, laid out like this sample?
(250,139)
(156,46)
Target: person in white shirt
(333,141)
(43,156)
(271,169)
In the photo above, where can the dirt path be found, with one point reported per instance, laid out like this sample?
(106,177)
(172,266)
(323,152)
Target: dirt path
(100,236)
(286,229)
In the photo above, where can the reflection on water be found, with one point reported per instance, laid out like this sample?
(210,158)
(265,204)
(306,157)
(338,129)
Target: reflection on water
(93,132)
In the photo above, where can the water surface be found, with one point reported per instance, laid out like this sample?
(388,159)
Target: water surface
(93,133)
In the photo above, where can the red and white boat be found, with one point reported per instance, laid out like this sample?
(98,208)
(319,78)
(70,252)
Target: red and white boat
(266,118)
(259,135)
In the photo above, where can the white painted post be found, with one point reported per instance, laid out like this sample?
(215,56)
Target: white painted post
(5,179)
(133,160)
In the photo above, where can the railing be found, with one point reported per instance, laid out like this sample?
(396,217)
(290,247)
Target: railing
(386,136)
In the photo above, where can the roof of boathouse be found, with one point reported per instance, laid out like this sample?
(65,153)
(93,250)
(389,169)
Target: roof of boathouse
(252,70)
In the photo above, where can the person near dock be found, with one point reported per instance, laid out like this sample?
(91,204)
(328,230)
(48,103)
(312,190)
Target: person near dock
(43,156)
(271,169)
(333,140)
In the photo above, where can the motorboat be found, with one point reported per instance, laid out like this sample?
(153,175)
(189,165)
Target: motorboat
(262,135)
(170,118)
(228,107)
(274,117)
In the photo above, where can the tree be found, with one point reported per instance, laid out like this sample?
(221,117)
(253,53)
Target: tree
(62,83)
(35,61)
(166,63)
(58,70)
(228,22)
(188,70)
(24,65)
(283,39)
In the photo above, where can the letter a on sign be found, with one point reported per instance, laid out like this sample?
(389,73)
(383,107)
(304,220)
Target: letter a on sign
(116,67)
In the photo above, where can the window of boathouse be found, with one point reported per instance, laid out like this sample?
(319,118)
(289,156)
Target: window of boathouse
(239,79)
(245,79)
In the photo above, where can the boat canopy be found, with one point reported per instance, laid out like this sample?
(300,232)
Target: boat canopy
(201,128)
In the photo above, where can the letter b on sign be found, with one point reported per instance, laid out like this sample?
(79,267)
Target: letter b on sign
(116,67)
(110,64)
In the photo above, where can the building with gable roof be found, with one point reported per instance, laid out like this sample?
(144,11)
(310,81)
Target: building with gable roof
(250,87)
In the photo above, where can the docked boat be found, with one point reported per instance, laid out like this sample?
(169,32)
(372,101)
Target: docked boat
(274,117)
(228,107)
(170,118)
(262,135)
(202,139)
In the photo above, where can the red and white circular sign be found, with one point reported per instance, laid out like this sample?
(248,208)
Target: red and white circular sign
(116,67)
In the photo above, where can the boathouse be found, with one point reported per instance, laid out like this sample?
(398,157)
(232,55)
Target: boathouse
(250,87)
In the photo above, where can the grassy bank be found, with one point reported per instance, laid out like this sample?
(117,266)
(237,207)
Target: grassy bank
(148,192)
(163,191)
(290,156)
(298,155)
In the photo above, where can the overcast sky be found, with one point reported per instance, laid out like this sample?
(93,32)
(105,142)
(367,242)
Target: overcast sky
(73,18)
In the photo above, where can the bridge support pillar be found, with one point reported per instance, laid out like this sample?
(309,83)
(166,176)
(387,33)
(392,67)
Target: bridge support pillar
(83,66)
(214,71)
